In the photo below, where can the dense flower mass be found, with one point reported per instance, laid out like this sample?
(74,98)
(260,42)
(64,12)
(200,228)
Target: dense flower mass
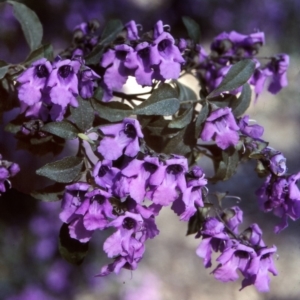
(246,252)
(46,90)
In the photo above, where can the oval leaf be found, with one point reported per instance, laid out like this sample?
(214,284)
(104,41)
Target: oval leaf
(64,170)
(30,23)
(237,75)
(165,107)
(112,111)
(243,101)
(62,129)
(192,28)
(45,51)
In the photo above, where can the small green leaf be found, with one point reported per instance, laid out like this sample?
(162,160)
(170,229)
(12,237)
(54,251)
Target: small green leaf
(83,115)
(64,170)
(112,111)
(192,28)
(243,102)
(62,129)
(110,32)
(45,51)
(50,193)
(182,120)
(30,23)
(185,92)
(165,107)
(70,249)
(164,91)
(237,75)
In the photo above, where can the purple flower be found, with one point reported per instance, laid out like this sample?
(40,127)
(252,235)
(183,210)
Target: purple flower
(119,243)
(214,235)
(119,63)
(233,217)
(137,177)
(165,56)
(169,180)
(7,169)
(185,206)
(253,234)
(72,199)
(274,161)
(277,68)
(257,271)
(235,256)
(254,131)
(281,195)
(31,91)
(119,138)
(104,173)
(87,83)
(63,85)
(221,127)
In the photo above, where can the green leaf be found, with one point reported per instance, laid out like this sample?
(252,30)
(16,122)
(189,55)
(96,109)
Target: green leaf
(237,75)
(184,92)
(70,249)
(3,69)
(182,120)
(83,115)
(64,170)
(62,129)
(243,102)
(112,111)
(110,32)
(192,28)
(228,165)
(225,100)
(45,51)
(201,118)
(30,23)
(50,193)
(165,107)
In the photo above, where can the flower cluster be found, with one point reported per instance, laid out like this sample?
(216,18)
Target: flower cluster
(228,48)
(46,90)
(157,58)
(7,169)
(245,252)
(128,193)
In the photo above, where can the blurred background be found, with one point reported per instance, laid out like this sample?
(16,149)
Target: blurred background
(30,265)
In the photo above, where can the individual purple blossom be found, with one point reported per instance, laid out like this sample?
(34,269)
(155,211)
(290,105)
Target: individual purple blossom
(137,177)
(274,161)
(233,217)
(72,200)
(120,138)
(282,196)
(119,243)
(277,69)
(31,90)
(221,127)
(213,236)
(192,197)
(254,131)
(257,271)
(63,86)
(253,234)
(166,57)
(104,173)
(7,170)
(87,82)
(119,63)
(169,181)
(235,256)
